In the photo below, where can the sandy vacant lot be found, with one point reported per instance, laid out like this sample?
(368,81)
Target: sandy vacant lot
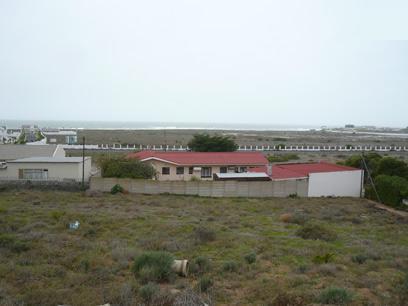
(257,251)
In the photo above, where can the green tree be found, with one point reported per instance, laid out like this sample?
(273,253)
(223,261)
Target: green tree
(38,136)
(391,189)
(22,138)
(207,143)
(392,166)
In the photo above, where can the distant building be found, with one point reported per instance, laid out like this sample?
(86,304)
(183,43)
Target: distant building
(60,137)
(349,126)
(9,135)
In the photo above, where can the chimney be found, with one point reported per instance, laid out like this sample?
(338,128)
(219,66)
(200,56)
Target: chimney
(269,169)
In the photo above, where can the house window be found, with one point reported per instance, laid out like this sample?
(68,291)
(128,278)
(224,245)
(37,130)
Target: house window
(206,172)
(165,170)
(190,170)
(34,174)
(180,170)
(223,169)
(240,169)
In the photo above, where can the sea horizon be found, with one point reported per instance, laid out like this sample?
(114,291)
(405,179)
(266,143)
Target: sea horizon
(139,125)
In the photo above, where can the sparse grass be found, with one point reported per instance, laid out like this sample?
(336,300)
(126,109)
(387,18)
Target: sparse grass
(335,296)
(93,264)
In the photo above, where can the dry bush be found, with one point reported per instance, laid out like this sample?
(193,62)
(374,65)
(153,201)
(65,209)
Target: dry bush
(327,269)
(316,232)
(295,218)
(286,299)
(189,297)
(285,218)
(204,234)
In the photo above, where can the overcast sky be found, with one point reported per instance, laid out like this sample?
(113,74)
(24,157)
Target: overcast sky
(276,62)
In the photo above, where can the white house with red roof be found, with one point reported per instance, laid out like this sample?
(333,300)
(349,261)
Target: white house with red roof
(324,179)
(202,165)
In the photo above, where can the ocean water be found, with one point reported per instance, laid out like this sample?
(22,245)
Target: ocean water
(117,125)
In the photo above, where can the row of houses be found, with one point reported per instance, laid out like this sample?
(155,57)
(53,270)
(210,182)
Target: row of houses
(32,133)
(324,179)
(49,162)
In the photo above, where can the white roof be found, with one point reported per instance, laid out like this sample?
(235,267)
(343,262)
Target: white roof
(16,151)
(243,175)
(49,160)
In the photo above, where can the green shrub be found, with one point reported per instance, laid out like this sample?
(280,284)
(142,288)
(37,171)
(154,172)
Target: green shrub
(10,242)
(200,265)
(335,296)
(148,292)
(250,258)
(316,232)
(302,269)
(116,188)
(402,290)
(204,234)
(326,258)
(57,214)
(298,218)
(204,284)
(154,266)
(230,266)
(125,168)
(360,258)
(391,189)
(84,265)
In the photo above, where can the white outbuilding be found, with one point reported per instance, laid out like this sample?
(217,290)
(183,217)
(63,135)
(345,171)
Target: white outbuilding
(47,168)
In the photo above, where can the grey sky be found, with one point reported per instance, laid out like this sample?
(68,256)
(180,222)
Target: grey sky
(284,62)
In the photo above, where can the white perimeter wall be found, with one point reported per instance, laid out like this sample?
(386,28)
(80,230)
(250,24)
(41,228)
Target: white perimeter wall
(338,184)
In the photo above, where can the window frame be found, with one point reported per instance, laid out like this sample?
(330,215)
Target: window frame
(163,172)
(181,169)
(203,169)
(225,168)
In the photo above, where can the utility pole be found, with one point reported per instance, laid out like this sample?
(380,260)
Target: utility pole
(370,178)
(83,163)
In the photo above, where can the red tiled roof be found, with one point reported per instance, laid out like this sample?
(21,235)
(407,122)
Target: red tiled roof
(204,158)
(300,170)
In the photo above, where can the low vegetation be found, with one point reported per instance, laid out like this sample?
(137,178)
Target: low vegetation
(122,167)
(390,177)
(335,296)
(241,251)
(281,158)
(212,143)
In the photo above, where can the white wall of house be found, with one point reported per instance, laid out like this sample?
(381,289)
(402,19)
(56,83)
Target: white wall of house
(173,176)
(56,171)
(338,184)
